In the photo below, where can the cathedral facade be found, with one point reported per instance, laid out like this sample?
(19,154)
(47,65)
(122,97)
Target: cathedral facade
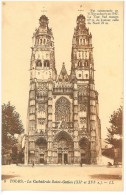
(63,125)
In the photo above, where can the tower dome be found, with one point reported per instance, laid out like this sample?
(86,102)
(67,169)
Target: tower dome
(81,16)
(80,19)
(43,20)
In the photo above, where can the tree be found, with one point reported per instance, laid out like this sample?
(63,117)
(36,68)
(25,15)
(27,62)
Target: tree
(114,136)
(11,125)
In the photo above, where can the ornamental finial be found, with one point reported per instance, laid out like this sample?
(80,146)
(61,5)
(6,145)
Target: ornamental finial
(44,11)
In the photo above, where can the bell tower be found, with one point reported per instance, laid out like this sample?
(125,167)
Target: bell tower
(82,51)
(43,52)
(42,75)
(82,69)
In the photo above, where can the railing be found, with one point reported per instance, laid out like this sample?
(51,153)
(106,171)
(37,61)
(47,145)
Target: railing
(62,90)
(82,46)
(42,99)
(60,125)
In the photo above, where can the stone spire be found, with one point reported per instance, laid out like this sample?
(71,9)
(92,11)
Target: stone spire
(63,74)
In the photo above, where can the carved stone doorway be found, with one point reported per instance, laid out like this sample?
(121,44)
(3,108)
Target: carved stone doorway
(59,158)
(41,158)
(41,146)
(84,150)
(64,146)
(62,158)
(65,158)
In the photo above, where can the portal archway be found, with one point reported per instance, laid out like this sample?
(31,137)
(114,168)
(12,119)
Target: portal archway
(41,152)
(63,148)
(84,145)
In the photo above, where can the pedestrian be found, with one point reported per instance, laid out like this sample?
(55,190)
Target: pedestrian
(81,163)
(109,164)
(17,162)
(33,163)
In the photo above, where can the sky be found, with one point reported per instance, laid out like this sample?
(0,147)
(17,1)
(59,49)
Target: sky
(19,21)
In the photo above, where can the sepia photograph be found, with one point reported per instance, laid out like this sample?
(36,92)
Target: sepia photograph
(62,95)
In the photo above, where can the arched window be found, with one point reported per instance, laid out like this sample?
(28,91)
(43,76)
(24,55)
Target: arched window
(40,41)
(79,63)
(62,109)
(86,63)
(38,63)
(84,41)
(82,54)
(46,63)
(86,75)
(44,41)
(86,54)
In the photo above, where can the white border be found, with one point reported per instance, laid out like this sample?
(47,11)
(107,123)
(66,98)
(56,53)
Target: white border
(71,192)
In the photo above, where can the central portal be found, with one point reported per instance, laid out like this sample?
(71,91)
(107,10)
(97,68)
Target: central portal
(62,158)
(63,148)
(65,159)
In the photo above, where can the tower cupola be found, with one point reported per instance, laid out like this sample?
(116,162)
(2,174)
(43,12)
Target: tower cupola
(81,19)
(43,21)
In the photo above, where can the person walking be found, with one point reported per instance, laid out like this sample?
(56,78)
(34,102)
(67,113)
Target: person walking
(33,163)
(81,163)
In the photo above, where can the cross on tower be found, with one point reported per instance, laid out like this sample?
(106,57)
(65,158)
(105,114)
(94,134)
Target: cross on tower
(81,8)
(44,11)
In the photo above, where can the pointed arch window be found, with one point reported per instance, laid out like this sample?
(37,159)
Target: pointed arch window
(86,63)
(80,41)
(79,63)
(82,54)
(46,63)
(44,41)
(40,41)
(38,63)
(86,54)
(84,41)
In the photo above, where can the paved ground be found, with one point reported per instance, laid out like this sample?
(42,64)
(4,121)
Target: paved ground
(61,177)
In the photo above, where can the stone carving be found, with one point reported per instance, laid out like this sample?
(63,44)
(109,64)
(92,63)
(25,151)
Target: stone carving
(83,90)
(83,120)
(41,121)
(42,89)
(83,107)
(41,107)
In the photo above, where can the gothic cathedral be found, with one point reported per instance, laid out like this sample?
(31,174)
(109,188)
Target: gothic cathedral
(63,125)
